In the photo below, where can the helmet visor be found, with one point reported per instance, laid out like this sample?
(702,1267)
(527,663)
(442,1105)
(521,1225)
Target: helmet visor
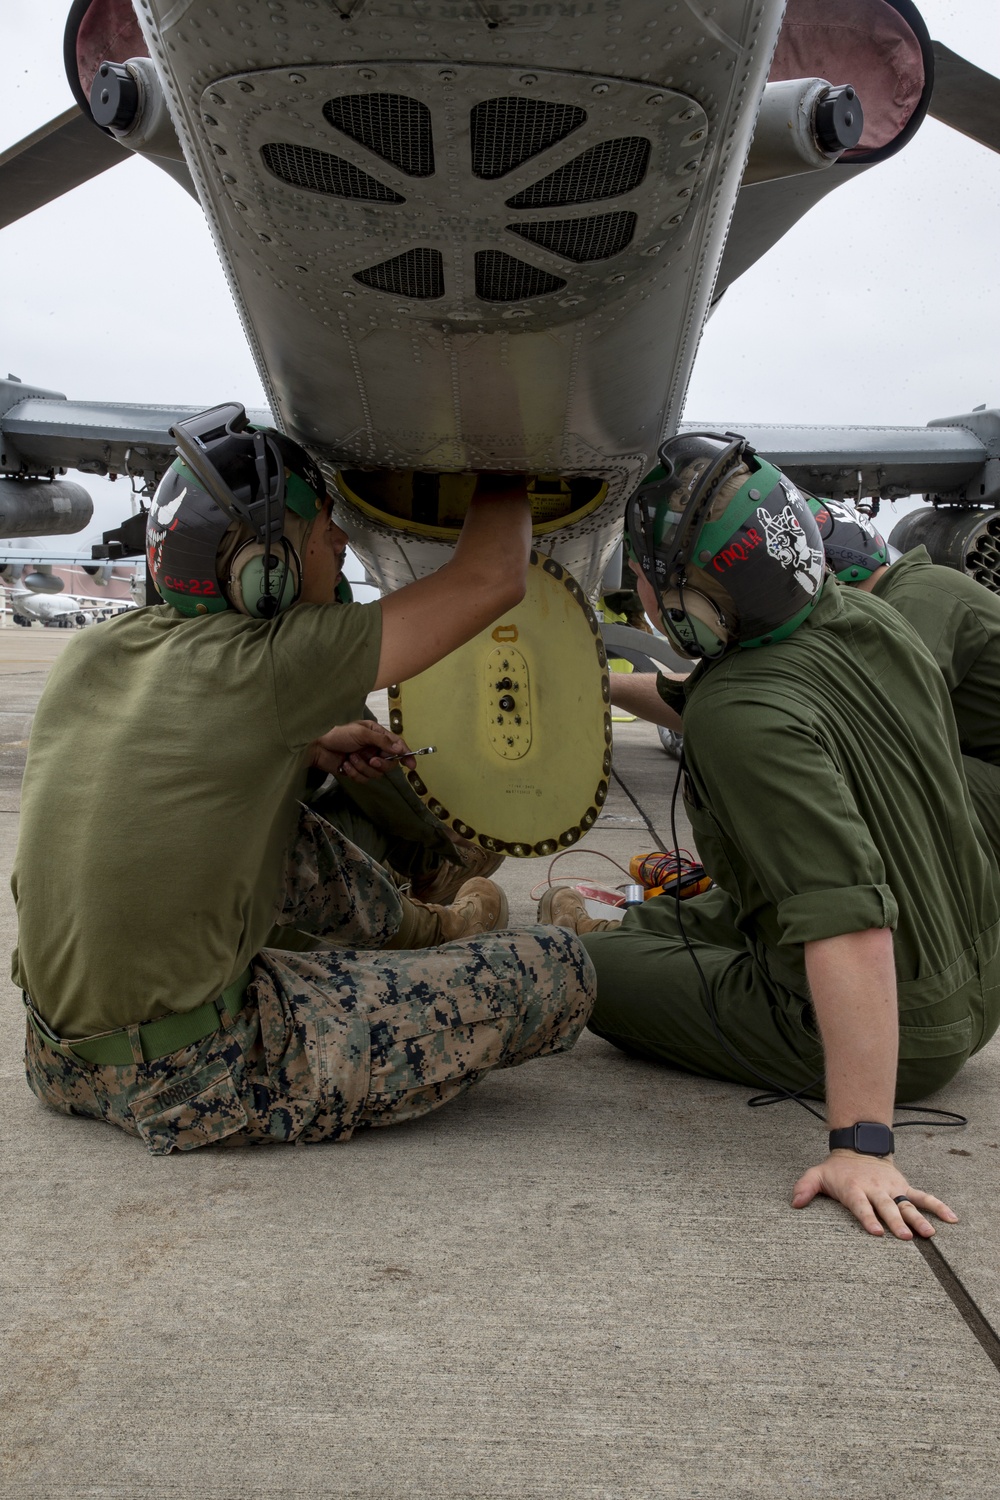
(218,441)
(667,512)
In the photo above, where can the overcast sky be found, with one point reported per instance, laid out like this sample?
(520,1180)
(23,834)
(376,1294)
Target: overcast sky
(880,306)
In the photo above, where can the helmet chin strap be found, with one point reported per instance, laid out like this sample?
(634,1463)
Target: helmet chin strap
(269,603)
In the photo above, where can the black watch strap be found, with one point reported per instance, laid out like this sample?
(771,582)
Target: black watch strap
(866,1137)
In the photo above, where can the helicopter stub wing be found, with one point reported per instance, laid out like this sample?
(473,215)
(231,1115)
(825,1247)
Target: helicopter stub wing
(953,458)
(73,148)
(41,431)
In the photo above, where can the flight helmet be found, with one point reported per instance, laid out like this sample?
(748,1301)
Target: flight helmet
(854,547)
(728,544)
(230,471)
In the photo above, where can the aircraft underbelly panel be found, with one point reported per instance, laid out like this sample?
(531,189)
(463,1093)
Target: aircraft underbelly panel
(456,300)
(480,236)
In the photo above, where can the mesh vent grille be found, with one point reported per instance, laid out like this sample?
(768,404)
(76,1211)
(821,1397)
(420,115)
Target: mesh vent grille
(502,278)
(418,273)
(394,126)
(604,171)
(581,240)
(509,131)
(302,167)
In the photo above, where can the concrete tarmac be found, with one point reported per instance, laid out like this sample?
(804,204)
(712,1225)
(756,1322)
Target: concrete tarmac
(582,1279)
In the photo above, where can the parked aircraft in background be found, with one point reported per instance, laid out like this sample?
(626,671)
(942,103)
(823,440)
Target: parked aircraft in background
(62,588)
(64,610)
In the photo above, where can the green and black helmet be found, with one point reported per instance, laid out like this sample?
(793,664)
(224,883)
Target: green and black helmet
(229,471)
(728,543)
(854,548)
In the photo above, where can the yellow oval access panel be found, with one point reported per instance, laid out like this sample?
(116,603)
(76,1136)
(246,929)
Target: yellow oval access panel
(521,720)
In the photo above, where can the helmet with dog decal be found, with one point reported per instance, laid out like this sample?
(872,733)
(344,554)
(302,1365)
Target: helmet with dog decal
(728,543)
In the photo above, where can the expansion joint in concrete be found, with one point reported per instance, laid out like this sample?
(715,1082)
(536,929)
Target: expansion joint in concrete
(644,815)
(965,1303)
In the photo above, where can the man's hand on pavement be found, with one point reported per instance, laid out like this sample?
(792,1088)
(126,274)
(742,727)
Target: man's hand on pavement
(867,1186)
(355,751)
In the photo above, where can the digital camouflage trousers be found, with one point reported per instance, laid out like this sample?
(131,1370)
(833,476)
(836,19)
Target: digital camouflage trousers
(339,1039)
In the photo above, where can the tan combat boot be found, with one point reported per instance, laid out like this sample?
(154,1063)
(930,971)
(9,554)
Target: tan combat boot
(444,883)
(479,906)
(562,906)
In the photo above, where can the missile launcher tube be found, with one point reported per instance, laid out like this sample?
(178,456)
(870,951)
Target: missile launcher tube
(956,536)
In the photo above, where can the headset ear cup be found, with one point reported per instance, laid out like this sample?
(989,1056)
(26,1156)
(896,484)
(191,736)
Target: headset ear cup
(246,578)
(689,636)
(709,644)
(699,631)
(677,630)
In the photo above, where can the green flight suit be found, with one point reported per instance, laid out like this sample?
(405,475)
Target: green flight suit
(826,794)
(958,621)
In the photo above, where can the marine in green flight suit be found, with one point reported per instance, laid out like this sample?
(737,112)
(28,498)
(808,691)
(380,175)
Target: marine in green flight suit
(958,621)
(825,796)
(851,948)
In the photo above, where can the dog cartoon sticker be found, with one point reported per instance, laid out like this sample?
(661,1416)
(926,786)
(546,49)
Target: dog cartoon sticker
(788,544)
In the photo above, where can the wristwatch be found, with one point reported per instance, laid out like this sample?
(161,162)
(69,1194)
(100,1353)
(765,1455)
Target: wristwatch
(866,1137)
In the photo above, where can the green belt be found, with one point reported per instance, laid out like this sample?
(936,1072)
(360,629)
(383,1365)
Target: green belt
(153,1038)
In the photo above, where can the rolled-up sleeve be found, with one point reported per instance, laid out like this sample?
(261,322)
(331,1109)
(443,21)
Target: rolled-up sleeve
(793,832)
(823,914)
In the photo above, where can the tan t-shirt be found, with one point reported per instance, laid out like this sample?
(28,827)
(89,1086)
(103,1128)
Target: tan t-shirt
(166,759)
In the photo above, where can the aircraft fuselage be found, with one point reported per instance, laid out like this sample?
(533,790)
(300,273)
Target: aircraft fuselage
(469,236)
